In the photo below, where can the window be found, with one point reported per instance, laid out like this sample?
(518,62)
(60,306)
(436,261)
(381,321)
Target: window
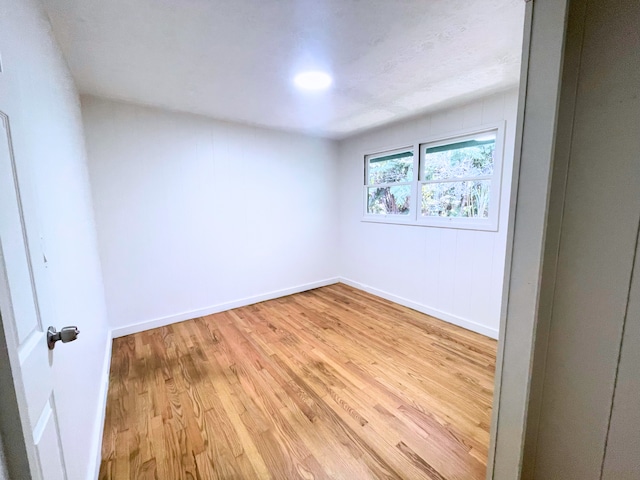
(389,182)
(457,182)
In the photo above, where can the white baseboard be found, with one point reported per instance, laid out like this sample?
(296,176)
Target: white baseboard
(96,448)
(221,307)
(447,317)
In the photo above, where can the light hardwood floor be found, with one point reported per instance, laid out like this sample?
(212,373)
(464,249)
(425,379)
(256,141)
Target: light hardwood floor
(329,383)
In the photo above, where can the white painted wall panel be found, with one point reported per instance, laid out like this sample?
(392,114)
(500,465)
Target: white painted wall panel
(457,273)
(598,244)
(193,213)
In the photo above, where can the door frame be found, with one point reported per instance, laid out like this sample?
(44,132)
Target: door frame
(540,167)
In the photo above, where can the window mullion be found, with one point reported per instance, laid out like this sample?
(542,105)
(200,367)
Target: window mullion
(415,188)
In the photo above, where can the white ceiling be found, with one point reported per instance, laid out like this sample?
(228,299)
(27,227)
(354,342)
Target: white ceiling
(235,59)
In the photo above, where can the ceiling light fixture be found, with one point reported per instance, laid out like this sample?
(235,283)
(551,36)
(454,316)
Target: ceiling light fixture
(313,80)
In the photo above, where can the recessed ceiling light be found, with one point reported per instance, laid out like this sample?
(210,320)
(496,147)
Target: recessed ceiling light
(313,80)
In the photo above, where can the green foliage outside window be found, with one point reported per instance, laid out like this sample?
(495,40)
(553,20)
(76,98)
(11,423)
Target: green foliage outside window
(390,199)
(451,198)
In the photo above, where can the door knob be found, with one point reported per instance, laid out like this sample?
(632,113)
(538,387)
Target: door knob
(67,334)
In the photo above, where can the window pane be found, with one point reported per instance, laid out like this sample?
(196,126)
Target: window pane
(397,167)
(469,158)
(389,200)
(456,199)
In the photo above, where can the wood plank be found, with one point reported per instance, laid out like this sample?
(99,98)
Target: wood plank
(329,383)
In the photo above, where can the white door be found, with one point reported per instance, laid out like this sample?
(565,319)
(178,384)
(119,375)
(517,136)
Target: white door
(30,358)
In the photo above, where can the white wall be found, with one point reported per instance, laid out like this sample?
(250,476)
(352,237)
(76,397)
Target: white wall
(452,274)
(196,215)
(588,425)
(39,96)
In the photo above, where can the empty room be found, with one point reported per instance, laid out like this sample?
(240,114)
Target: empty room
(306,239)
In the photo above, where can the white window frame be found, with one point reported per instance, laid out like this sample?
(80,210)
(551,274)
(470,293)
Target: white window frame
(394,217)
(415,217)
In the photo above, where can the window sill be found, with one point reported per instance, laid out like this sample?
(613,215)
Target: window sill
(435,223)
